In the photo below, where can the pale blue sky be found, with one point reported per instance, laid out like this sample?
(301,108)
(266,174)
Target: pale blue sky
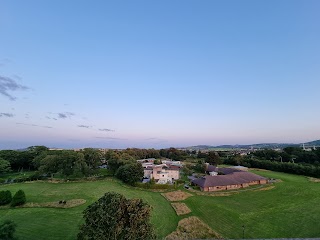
(158,73)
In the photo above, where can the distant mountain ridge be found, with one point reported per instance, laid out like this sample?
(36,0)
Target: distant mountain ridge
(256,145)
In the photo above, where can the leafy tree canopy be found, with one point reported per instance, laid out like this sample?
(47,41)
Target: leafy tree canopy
(115,217)
(7,229)
(130,173)
(4,166)
(213,158)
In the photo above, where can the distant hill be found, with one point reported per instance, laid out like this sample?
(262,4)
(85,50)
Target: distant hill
(313,143)
(256,145)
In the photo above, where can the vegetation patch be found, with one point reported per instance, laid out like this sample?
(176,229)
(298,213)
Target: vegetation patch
(216,194)
(176,195)
(192,228)
(58,204)
(265,188)
(180,208)
(311,179)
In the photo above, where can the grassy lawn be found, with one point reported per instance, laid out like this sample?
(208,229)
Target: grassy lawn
(290,209)
(52,223)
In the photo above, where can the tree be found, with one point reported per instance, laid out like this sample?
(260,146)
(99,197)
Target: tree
(18,199)
(117,160)
(68,163)
(130,173)
(92,157)
(5,197)
(213,158)
(115,217)
(4,166)
(7,229)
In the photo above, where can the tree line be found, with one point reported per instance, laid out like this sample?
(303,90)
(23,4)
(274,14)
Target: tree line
(259,159)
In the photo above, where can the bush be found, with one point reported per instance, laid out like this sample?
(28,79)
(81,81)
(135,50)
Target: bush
(7,229)
(180,181)
(5,197)
(18,199)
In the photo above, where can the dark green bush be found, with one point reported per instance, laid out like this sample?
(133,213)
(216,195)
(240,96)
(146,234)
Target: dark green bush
(5,197)
(179,181)
(7,229)
(18,199)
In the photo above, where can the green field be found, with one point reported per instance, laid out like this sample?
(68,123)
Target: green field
(53,223)
(291,209)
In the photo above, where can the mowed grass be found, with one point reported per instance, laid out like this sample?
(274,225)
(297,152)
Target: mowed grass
(53,223)
(289,210)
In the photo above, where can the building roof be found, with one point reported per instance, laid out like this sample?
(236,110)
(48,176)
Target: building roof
(212,168)
(230,179)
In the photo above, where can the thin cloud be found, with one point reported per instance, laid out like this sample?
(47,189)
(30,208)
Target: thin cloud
(65,115)
(6,115)
(8,85)
(84,126)
(62,115)
(33,125)
(105,130)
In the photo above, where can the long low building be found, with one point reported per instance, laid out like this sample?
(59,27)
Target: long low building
(234,180)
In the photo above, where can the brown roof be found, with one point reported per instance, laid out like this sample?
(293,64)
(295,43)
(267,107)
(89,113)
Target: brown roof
(230,179)
(226,171)
(174,167)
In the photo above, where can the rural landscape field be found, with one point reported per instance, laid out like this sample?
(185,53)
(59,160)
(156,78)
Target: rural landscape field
(287,209)
(173,120)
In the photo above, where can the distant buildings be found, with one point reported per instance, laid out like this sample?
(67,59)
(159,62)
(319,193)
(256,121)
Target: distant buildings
(166,172)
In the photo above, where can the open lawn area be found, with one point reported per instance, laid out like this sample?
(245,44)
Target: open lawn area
(289,209)
(56,223)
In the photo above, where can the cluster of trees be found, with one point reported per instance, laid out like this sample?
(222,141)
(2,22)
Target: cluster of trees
(65,162)
(81,163)
(290,154)
(137,153)
(68,163)
(18,199)
(288,167)
(115,217)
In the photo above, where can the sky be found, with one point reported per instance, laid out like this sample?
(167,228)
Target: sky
(155,74)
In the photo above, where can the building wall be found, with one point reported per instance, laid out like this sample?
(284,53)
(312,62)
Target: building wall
(230,187)
(147,173)
(175,174)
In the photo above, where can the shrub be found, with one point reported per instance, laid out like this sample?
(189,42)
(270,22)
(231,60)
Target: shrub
(180,181)
(18,199)
(7,229)
(5,197)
